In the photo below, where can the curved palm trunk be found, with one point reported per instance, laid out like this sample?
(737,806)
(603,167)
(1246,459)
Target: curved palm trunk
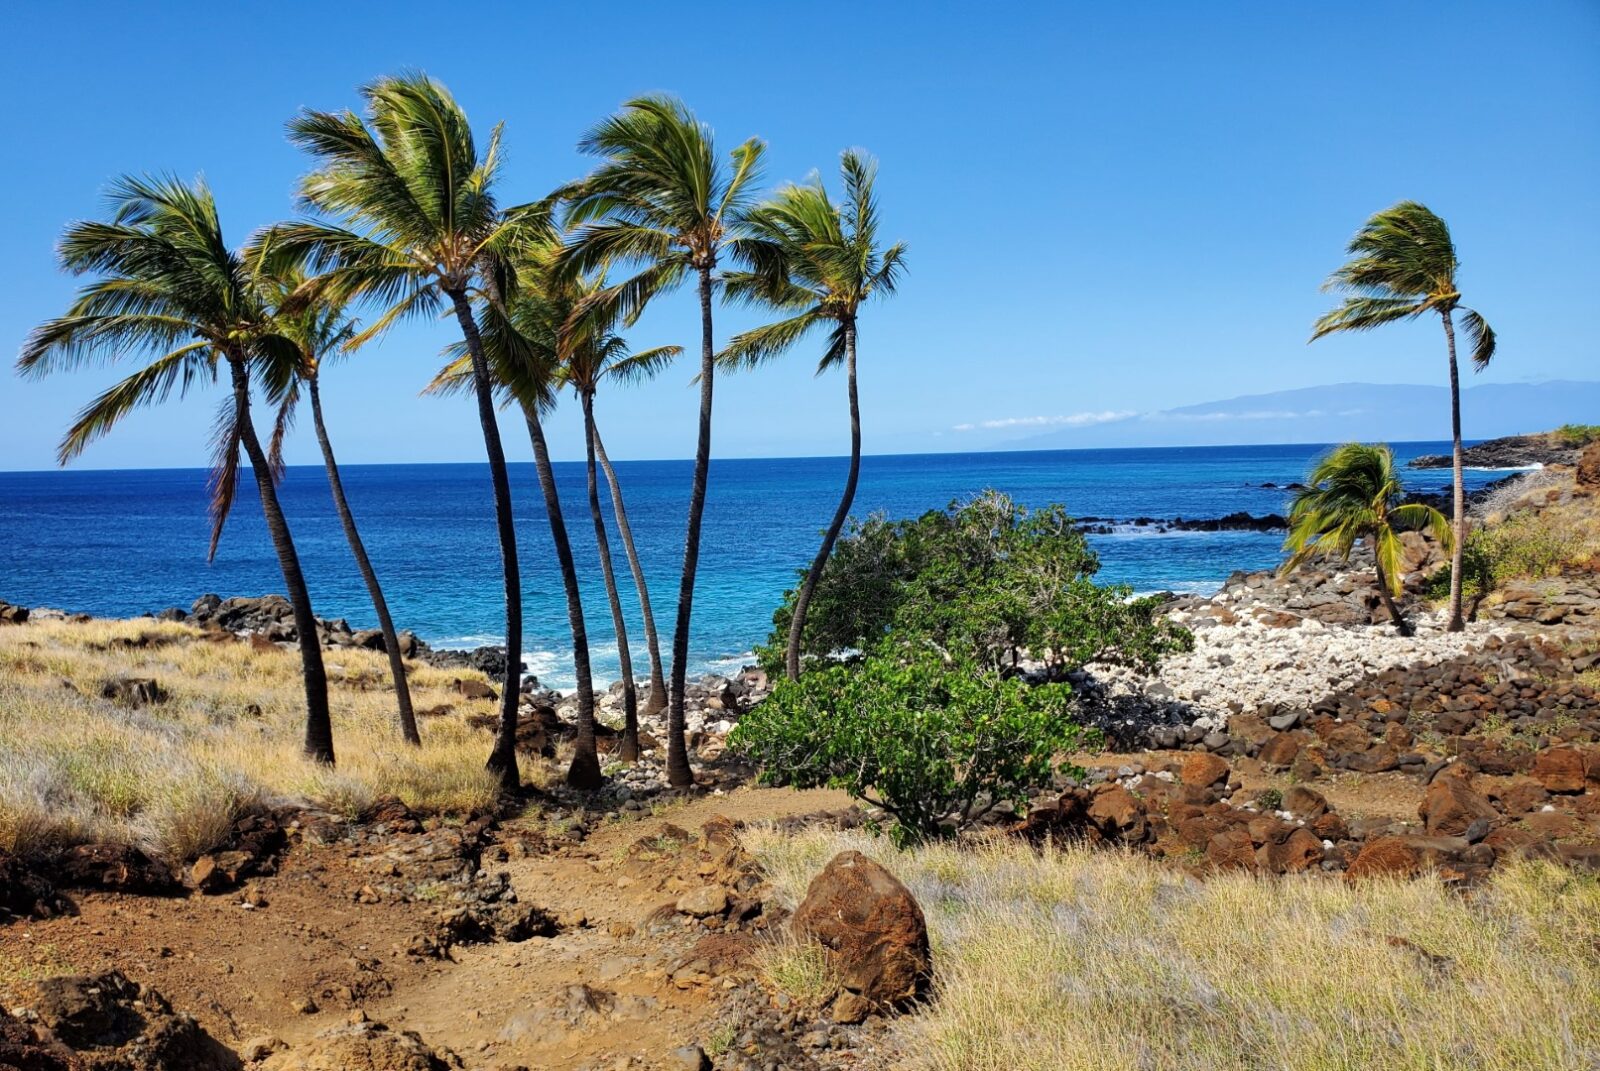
(658,683)
(630,700)
(380,606)
(585,769)
(678,773)
(1401,625)
(503,759)
(1458,493)
(319,722)
(797,623)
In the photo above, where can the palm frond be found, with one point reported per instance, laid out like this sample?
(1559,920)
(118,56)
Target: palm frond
(1480,335)
(150,385)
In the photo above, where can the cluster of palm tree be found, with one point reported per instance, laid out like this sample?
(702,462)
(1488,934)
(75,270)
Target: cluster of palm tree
(402,218)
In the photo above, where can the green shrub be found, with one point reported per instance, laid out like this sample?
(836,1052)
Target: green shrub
(1523,546)
(919,735)
(1577,434)
(985,580)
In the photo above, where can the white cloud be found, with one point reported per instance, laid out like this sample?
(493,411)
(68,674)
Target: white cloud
(1071,420)
(1253,414)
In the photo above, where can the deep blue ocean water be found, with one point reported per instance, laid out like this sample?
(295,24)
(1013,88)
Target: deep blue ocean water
(120,543)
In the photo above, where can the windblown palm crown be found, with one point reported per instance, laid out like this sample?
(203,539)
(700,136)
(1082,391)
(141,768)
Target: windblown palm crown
(820,260)
(168,288)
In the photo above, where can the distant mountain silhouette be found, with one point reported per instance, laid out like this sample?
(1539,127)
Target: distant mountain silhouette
(1340,412)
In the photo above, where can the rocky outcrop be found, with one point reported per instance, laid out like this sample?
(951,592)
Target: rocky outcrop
(1510,452)
(1233,522)
(108,1023)
(875,934)
(360,1046)
(12,615)
(271,617)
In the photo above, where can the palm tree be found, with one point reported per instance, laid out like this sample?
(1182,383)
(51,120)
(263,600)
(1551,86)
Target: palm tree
(660,200)
(819,262)
(522,340)
(420,227)
(658,687)
(592,354)
(169,287)
(320,330)
(1352,494)
(1404,265)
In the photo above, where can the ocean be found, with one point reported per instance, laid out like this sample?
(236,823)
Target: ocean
(122,543)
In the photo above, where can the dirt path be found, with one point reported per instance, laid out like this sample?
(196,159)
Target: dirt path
(598,995)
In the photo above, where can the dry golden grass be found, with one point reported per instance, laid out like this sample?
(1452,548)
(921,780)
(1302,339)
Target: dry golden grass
(172,776)
(1083,959)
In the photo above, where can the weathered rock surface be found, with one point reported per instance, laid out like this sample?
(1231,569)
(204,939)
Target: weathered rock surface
(112,1024)
(874,931)
(360,1046)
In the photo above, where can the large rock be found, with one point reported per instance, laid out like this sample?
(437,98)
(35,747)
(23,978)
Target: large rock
(1560,769)
(874,931)
(114,868)
(1451,805)
(1403,856)
(361,1046)
(112,1024)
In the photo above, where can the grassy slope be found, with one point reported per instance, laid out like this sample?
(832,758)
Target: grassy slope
(170,777)
(1083,959)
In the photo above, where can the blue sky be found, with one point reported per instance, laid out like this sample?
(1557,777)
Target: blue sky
(1111,208)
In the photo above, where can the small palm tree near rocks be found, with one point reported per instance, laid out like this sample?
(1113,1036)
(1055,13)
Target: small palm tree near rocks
(1403,265)
(1354,494)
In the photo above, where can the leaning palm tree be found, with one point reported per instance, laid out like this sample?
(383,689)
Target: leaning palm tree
(320,330)
(593,354)
(168,286)
(1404,265)
(520,339)
(660,200)
(420,227)
(819,262)
(1354,494)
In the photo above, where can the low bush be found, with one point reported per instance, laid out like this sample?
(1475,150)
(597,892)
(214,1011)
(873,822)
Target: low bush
(1524,546)
(923,737)
(1577,434)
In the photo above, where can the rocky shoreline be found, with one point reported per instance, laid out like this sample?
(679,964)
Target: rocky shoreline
(1510,452)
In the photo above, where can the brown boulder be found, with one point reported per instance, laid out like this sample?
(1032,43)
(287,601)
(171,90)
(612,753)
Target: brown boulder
(1523,796)
(875,934)
(1232,848)
(1451,805)
(1560,769)
(1280,749)
(1304,802)
(1289,853)
(1116,813)
(1403,856)
(1203,770)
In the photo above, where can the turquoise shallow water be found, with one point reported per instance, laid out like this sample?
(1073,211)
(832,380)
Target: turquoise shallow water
(126,542)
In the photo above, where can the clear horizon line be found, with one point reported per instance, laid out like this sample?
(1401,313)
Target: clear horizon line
(1000,449)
